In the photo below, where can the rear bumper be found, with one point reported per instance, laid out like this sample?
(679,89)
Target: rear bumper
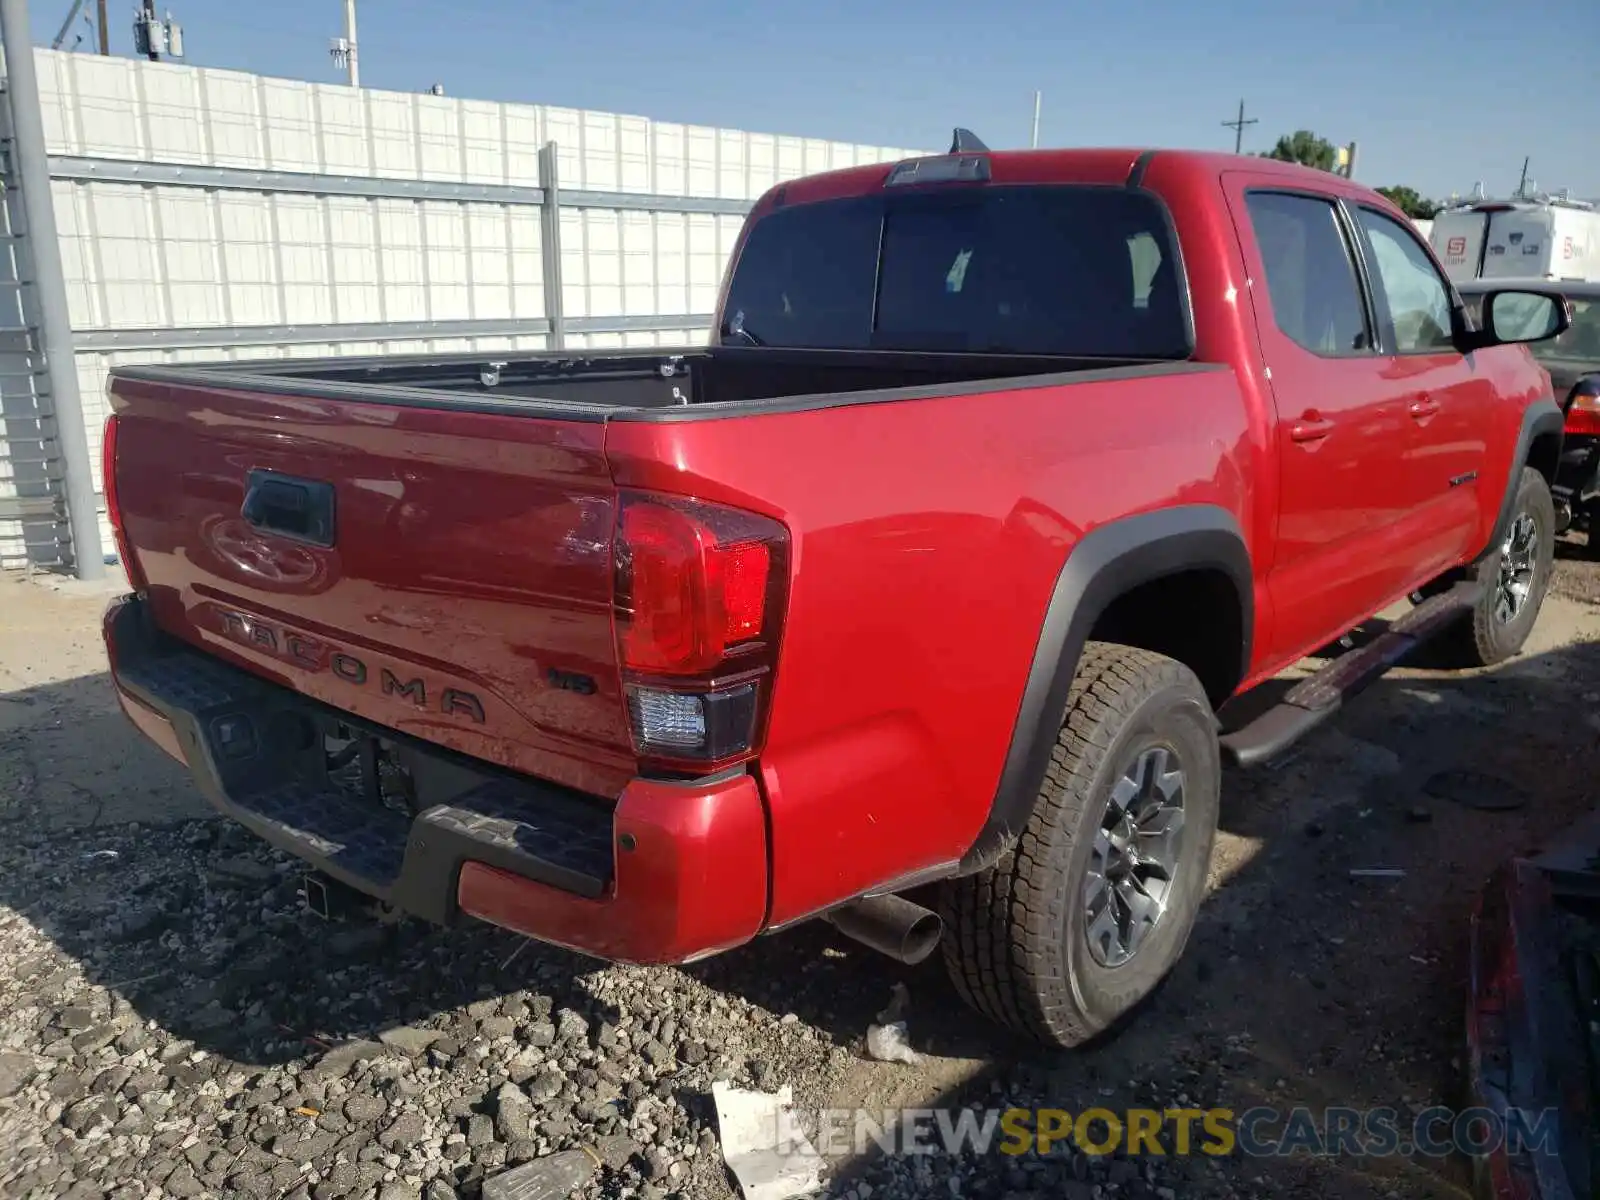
(670,872)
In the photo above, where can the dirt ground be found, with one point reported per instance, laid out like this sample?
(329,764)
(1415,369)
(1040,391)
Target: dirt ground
(1302,985)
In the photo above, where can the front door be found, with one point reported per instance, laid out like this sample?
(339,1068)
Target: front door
(1342,435)
(1448,401)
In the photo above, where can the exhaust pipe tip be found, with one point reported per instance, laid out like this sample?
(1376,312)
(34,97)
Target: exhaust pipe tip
(891,925)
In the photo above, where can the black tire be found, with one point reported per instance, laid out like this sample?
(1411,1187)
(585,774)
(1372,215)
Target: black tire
(1017,945)
(1487,636)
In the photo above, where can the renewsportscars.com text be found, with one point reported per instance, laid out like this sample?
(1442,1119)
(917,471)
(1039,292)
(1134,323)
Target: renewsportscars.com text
(1218,1132)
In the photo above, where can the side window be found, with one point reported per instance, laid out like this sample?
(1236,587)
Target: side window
(1311,279)
(1419,301)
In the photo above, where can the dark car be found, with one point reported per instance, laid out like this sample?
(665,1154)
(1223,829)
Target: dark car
(1573,360)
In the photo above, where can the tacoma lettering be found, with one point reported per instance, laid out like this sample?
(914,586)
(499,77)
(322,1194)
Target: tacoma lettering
(317,656)
(465,703)
(351,669)
(301,650)
(415,691)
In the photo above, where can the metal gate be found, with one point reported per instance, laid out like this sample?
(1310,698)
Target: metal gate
(33,516)
(49,512)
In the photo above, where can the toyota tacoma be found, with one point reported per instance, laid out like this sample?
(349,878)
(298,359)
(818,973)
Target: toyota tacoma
(930,574)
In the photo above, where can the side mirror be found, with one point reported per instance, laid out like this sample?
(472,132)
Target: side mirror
(1519,316)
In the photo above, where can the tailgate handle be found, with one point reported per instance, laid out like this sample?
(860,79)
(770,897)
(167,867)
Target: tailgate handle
(299,509)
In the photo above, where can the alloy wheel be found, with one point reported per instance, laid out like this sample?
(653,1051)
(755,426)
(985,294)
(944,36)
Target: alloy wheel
(1135,858)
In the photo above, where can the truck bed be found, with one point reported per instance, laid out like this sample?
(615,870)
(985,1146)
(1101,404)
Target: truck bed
(594,386)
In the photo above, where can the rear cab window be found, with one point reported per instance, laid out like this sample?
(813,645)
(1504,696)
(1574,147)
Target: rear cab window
(1311,274)
(1073,270)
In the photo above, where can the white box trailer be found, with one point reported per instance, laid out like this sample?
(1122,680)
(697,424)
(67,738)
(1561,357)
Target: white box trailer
(1519,239)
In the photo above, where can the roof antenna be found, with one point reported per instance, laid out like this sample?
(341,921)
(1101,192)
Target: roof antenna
(966,142)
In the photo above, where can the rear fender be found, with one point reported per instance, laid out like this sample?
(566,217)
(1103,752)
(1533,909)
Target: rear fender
(1108,562)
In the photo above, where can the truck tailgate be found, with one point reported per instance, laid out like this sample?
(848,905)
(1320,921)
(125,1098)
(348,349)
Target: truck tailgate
(445,573)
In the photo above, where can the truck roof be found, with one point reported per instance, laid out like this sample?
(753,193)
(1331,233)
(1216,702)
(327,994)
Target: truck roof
(1093,165)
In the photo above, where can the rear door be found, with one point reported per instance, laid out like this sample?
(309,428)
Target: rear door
(1448,401)
(1519,243)
(1341,430)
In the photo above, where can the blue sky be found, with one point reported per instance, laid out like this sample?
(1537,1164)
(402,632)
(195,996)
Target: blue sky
(1438,95)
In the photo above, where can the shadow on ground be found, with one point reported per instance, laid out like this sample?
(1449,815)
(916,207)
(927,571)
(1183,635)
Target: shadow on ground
(1302,984)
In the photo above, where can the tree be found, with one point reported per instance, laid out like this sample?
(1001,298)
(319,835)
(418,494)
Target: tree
(1411,202)
(1304,147)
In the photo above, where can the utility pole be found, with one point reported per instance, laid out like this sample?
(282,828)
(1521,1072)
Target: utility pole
(153,37)
(100,26)
(1035,140)
(1238,126)
(31,169)
(344,49)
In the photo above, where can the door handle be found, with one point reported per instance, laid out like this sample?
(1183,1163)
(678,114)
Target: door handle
(1312,427)
(1425,407)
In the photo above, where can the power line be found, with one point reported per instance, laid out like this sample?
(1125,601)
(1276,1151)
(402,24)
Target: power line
(1238,126)
(66,26)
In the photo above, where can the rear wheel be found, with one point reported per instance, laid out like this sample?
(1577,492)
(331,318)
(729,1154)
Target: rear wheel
(1089,912)
(1514,579)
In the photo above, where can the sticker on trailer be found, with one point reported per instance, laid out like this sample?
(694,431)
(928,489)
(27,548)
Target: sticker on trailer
(1497,249)
(1456,247)
(1531,248)
(1566,249)
(1514,238)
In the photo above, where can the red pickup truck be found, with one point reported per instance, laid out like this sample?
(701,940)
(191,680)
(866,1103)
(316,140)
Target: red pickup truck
(1002,473)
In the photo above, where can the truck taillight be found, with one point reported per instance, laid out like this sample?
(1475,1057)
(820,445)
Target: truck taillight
(108,472)
(700,591)
(108,484)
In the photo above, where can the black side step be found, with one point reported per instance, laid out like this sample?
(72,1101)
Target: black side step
(1317,697)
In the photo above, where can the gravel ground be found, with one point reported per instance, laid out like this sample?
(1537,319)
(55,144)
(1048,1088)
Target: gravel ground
(173,1019)
(1577,570)
(172,1023)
